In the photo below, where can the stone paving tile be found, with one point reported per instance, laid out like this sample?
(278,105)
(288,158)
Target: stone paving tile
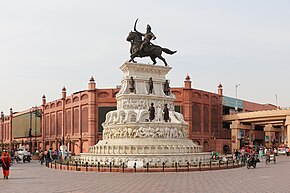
(32,177)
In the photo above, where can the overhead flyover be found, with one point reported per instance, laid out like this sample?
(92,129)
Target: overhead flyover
(275,123)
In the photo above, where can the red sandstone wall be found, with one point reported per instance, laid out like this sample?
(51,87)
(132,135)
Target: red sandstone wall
(67,118)
(203,112)
(250,106)
(200,109)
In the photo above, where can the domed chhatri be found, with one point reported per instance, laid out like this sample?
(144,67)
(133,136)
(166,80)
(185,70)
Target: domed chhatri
(145,127)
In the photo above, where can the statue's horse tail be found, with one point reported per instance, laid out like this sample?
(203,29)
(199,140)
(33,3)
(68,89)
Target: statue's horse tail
(167,51)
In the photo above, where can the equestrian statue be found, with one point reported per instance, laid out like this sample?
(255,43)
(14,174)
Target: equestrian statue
(143,48)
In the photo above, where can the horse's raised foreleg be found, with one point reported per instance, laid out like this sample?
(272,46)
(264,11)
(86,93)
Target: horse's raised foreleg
(132,57)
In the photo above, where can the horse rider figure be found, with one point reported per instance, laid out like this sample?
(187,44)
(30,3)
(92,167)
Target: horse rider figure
(142,47)
(148,36)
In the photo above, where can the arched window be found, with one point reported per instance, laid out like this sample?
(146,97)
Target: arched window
(46,125)
(196,118)
(205,146)
(76,121)
(214,118)
(58,104)
(84,119)
(205,118)
(68,101)
(58,123)
(103,95)
(75,99)
(68,122)
(52,124)
(83,97)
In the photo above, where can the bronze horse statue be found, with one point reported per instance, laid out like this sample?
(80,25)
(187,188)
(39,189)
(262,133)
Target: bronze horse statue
(151,50)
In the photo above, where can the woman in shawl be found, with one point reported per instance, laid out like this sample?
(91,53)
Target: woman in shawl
(6,160)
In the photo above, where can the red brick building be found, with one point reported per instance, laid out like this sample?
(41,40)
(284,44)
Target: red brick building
(75,120)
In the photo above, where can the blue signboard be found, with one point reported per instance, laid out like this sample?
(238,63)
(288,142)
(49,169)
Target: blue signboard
(232,102)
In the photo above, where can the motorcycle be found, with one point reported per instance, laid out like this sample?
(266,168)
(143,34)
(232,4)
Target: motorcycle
(16,158)
(252,161)
(26,158)
(271,157)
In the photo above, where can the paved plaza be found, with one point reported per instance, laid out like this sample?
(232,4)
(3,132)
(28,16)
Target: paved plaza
(32,177)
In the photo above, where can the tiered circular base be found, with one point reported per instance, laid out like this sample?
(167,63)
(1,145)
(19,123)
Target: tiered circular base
(128,133)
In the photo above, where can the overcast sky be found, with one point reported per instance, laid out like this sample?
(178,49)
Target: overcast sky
(45,45)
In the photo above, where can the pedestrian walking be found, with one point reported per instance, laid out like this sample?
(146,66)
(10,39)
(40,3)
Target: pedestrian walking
(260,153)
(66,154)
(41,157)
(6,160)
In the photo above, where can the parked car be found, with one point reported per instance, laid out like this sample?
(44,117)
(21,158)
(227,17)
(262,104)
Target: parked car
(282,150)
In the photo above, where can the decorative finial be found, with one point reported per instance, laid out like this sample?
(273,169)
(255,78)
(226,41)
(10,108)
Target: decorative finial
(92,79)
(187,77)
(220,89)
(63,89)
(43,97)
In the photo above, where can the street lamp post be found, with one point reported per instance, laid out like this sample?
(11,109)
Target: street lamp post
(30,143)
(11,119)
(37,114)
(236,107)
(68,142)
(30,130)
(35,125)
(81,145)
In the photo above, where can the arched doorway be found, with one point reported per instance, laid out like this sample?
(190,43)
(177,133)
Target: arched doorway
(205,146)
(226,149)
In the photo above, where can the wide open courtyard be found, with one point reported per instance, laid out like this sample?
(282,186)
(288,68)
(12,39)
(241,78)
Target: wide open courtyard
(32,177)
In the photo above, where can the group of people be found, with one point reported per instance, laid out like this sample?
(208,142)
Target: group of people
(258,151)
(50,155)
(47,155)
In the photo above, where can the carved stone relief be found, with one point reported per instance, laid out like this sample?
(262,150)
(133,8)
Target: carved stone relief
(145,132)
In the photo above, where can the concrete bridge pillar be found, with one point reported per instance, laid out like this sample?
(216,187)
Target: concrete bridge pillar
(287,125)
(269,134)
(235,129)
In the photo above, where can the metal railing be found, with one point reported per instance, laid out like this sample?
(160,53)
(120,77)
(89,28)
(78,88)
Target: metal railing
(122,167)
